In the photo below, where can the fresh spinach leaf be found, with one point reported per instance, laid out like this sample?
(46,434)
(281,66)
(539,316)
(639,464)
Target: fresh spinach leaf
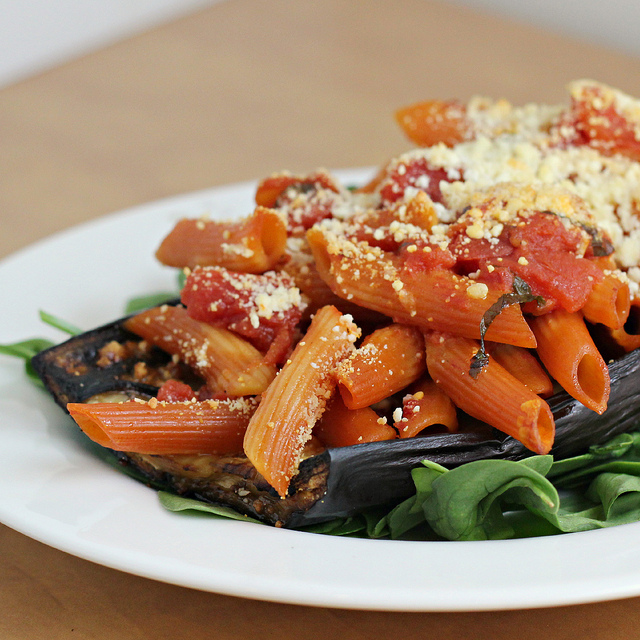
(140,303)
(25,350)
(134,305)
(174,502)
(58,323)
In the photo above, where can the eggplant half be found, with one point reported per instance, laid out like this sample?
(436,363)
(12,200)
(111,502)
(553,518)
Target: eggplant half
(110,363)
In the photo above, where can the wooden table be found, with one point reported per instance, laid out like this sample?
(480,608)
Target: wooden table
(230,93)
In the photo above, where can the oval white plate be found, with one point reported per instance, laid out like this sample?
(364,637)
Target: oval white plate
(54,489)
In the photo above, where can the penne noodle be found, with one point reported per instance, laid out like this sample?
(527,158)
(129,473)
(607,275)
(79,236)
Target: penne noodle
(301,267)
(228,363)
(161,428)
(627,337)
(567,351)
(318,294)
(388,360)
(343,427)
(435,121)
(417,211)
(626,341)
(522,364)
(436,300)
(494,396)
(274,186)
(296,399)
(253,245)
(428,405)
(608,303)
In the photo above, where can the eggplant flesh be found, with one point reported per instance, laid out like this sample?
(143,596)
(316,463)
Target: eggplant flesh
(335,483)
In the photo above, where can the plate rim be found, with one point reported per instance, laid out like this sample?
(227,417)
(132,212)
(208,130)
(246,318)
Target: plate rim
(447,595)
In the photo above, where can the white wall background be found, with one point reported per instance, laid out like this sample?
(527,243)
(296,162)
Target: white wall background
(37,34)
(612,23)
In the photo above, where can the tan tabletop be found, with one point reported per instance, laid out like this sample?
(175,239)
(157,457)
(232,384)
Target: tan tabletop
(235,92)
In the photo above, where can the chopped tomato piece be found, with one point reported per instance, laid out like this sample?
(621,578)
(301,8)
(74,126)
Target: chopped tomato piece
(426,257)
(416,173)
(175,391)
(594,120)
(304,200)
(540,249)
(264,309)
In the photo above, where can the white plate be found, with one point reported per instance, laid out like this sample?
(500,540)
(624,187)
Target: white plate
(54,489)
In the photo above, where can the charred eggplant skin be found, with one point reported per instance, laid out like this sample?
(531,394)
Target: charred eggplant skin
(70,373)
(344,480)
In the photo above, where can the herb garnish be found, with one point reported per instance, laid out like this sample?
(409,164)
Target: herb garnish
(521,293)
(601,245)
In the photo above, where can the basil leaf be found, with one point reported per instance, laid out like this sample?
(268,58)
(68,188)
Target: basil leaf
(26,349)
(521,293)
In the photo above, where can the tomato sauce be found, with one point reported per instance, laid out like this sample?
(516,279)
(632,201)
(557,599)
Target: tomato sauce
(232,301)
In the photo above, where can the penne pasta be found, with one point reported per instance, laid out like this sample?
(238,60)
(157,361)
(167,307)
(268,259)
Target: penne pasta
(570,356)
(228,363)
(388,360)
(272,188)
(627,337)
(522,364)
(486,269)
(609,302)
(427,406)
(160,428)
(434,121)
(343,427)
(626,341)
(293,403)
(437,300)
(494,396)
(253,245)
(317,292)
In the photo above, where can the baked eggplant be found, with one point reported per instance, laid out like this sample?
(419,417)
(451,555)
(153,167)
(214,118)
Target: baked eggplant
(336,482)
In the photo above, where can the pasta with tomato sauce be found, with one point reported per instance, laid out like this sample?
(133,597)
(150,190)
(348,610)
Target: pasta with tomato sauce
(471,277)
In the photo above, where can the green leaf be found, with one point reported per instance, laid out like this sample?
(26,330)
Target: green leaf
(140,303)
(350,526)
(409,514)
(58,323)
(468,503)
(176,503)
(25,350)
(521,294)
(608,488)
(134,305)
